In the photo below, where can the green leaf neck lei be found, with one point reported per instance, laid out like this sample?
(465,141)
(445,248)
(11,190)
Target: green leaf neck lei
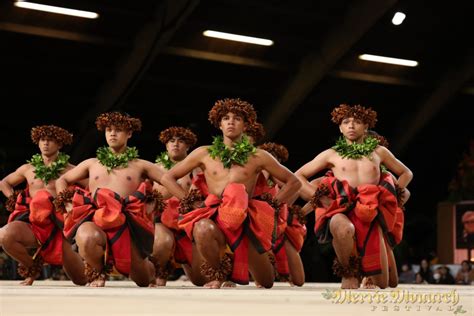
(238,154)
(111,161)
(355,150)
(53,171)
(165,160)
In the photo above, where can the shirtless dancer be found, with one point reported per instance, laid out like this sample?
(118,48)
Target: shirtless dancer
(171,244)
(232,232)
(109,223)
(34,223)
(291,231)
(364,217)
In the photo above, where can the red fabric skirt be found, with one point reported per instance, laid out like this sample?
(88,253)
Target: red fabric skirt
(368,207)
(281,260)
(240,219)
(123,219)
(183,252)
(45,222)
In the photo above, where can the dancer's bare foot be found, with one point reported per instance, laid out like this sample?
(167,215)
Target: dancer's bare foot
(350,283)
(213,284)
(99,282)
(228,284)
(161,282)
(96,277)
(368,283)
(31,273)
(28,281)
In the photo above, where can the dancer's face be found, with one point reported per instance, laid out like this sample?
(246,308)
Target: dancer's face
(48,146)
(232,125)
(117,137)
(177,149)
(353,129)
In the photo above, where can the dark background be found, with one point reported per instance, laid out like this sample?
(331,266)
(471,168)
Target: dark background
(149,58)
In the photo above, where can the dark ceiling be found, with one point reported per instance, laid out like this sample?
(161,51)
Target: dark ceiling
(149,58)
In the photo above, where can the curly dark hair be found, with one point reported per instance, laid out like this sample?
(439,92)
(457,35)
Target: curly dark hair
(236,106)
(118,119)
(182,133)
(276,150)
(256,131)
(58,134)
(366,115)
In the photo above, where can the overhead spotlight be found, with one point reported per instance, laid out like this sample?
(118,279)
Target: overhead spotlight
(58,10)
(398,18)
(389,60)
(238,38)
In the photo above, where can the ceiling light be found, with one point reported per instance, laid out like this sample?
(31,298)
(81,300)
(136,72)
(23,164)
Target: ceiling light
(389,60)
(238,38)
(59,10)
(398,18)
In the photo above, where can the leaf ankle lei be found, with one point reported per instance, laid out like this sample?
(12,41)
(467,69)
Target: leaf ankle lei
(111,161)
(355,150)
(238,154)
(47,173)
(165,160)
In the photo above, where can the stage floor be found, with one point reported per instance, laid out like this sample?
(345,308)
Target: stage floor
(181,298)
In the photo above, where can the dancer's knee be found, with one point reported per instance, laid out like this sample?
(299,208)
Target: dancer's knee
(342,229)
(205,228)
